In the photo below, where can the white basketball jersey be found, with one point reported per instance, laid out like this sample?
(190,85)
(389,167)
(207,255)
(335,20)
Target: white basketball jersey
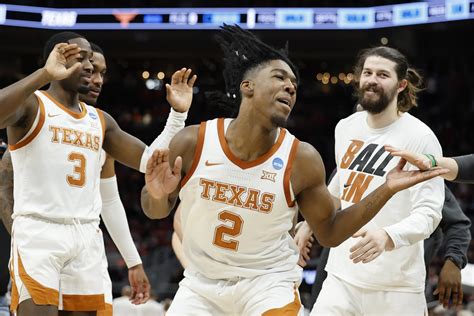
(236,214)
(57,164)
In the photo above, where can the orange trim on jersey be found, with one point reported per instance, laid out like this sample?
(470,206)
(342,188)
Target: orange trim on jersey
(197,153)
(287,174)
(108,311)
(35,132)
(290,309)
(66,109)
(241,163)
(102,122)
(40,294)
(83,303)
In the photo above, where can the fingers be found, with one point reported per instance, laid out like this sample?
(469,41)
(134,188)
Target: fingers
(401,164)
(73,68)
(447,296)
(146,290)
(362,253)
(359,244)
(192,81)
(372,256)
(183,76)
(177,165)
(460,295)
(440,291)
(186,75)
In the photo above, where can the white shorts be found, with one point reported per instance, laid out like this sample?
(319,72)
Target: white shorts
(108,311)
(272,294)
(48,258)
(338,297)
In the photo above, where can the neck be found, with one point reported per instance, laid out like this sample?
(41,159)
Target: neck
(67,98)
(385,118)
(248,138)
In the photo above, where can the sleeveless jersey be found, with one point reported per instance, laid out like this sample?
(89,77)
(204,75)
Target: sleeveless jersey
(236,215)
(57,164)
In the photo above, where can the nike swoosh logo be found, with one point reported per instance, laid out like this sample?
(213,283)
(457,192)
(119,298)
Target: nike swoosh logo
(209,164)
(53,115)
(346,185)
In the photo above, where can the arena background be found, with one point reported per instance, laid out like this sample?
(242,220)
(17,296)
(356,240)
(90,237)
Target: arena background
(443,52)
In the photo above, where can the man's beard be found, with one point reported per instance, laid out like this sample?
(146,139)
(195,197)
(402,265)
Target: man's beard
(377,105)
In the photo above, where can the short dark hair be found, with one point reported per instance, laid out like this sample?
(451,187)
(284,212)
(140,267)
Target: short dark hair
(96,48)
(57,38)
(407,99)
(243,52)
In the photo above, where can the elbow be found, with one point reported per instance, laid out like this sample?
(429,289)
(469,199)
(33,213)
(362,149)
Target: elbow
(328,242)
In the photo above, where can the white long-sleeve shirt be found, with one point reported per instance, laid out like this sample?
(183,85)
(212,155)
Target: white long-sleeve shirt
(409,217)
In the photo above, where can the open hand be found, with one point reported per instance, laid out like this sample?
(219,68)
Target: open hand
(61,55)
(180,92)
(160,179)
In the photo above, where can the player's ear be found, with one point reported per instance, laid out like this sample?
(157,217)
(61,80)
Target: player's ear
(246,87)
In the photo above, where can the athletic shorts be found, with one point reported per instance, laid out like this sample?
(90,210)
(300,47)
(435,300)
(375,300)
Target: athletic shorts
(49,258)
(338,297)
(271,294)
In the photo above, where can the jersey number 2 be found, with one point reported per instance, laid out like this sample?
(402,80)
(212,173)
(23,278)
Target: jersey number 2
(79,177)
(233,230)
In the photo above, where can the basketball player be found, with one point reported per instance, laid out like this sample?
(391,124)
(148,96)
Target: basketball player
(461,168)
(381,270)
(244,181)
(52,131)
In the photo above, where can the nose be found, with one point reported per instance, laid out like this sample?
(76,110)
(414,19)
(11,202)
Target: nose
(290,88)
(87,65)
(97,79)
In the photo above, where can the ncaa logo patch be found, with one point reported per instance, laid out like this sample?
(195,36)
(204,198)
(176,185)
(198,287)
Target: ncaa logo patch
(93,116)
(277,163)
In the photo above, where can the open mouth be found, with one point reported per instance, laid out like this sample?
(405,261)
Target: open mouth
(284,101)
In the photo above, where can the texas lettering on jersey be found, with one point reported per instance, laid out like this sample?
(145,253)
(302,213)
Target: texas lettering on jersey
(365,161)
(74,137)
(237,195)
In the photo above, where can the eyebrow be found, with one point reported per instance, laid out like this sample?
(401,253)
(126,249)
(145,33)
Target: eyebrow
(292,78)
(377,70)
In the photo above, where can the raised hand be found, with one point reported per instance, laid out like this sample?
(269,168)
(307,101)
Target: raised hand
(139,284)
(418,160)
(159,178)
(180,92)
(59,57)
(398,179)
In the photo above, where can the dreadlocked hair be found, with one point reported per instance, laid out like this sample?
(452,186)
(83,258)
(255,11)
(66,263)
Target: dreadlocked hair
(243,52)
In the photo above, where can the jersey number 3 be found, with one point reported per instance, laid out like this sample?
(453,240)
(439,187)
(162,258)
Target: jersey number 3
(232,230)
(79,177)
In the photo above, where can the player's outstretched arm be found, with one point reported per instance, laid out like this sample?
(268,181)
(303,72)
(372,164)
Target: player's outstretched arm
(164,171)
(317,207)
(17,102)
(6,191)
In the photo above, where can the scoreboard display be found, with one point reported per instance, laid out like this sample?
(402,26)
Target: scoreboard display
(251,18)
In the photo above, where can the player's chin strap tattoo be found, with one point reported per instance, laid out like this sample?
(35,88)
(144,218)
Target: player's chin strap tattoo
(6,191)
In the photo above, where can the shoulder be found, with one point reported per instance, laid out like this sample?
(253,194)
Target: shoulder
(353,120)
(308,167)
(416,125)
